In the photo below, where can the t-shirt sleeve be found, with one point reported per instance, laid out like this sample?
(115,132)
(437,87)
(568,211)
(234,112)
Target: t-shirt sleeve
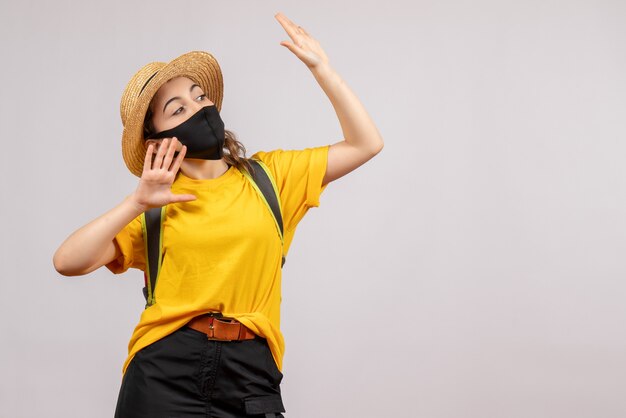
(298,175)
(130,243)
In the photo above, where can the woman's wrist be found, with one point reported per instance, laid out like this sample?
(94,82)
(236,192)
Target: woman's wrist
(323,71)
(135,205)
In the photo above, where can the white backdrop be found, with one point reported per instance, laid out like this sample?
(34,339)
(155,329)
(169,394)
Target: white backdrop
(475,268)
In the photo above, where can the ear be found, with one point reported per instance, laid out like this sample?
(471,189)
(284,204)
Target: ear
(155,142)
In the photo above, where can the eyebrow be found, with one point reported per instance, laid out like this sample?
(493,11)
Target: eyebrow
(178,98)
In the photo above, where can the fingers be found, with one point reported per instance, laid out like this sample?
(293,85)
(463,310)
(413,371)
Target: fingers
(157,163)
(169,155)
(294,31)
(179,160)
(164,154)
(286,22)
(303,45)
(147,162)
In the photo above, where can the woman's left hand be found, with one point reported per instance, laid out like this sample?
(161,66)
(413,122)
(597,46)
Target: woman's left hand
(304,46)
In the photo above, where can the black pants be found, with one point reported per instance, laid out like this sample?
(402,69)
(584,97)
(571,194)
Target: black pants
(186,375)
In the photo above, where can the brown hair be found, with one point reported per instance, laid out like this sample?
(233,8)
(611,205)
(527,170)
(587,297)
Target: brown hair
(235,156)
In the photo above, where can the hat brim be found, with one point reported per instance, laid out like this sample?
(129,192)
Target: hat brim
(200,67)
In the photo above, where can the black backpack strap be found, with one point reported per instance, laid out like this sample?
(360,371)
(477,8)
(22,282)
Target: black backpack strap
(152,225)
(265,184)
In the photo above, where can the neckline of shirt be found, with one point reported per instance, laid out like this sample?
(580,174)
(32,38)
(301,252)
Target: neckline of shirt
(183,180)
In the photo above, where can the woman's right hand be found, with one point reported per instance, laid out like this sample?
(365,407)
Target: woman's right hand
(92,246)
(155,184)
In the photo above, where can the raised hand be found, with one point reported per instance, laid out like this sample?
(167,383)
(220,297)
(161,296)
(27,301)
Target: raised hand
(155,184)
(362,141)
(304,46)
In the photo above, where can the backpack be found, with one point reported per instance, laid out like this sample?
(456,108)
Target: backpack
(152,225)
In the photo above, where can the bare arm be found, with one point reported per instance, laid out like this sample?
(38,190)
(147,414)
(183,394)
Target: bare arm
(362,141)
(91,246)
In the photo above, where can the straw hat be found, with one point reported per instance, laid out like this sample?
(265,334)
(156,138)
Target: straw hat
(200,67)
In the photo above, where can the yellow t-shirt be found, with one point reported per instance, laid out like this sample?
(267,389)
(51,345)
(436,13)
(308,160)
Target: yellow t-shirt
(222,251)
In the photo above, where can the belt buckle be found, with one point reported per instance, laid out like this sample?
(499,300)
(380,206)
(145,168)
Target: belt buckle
(211,328)
(212,317)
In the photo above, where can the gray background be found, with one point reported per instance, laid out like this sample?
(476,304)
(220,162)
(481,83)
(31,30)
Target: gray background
(475,268)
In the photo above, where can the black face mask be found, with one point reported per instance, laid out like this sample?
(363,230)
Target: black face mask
(203,134)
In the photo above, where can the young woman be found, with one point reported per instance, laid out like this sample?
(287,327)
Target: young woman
(209,342)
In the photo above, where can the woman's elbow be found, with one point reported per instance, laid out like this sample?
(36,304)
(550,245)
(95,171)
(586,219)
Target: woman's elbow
(63,266)
(60,265)
(377,147)
(381,145)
